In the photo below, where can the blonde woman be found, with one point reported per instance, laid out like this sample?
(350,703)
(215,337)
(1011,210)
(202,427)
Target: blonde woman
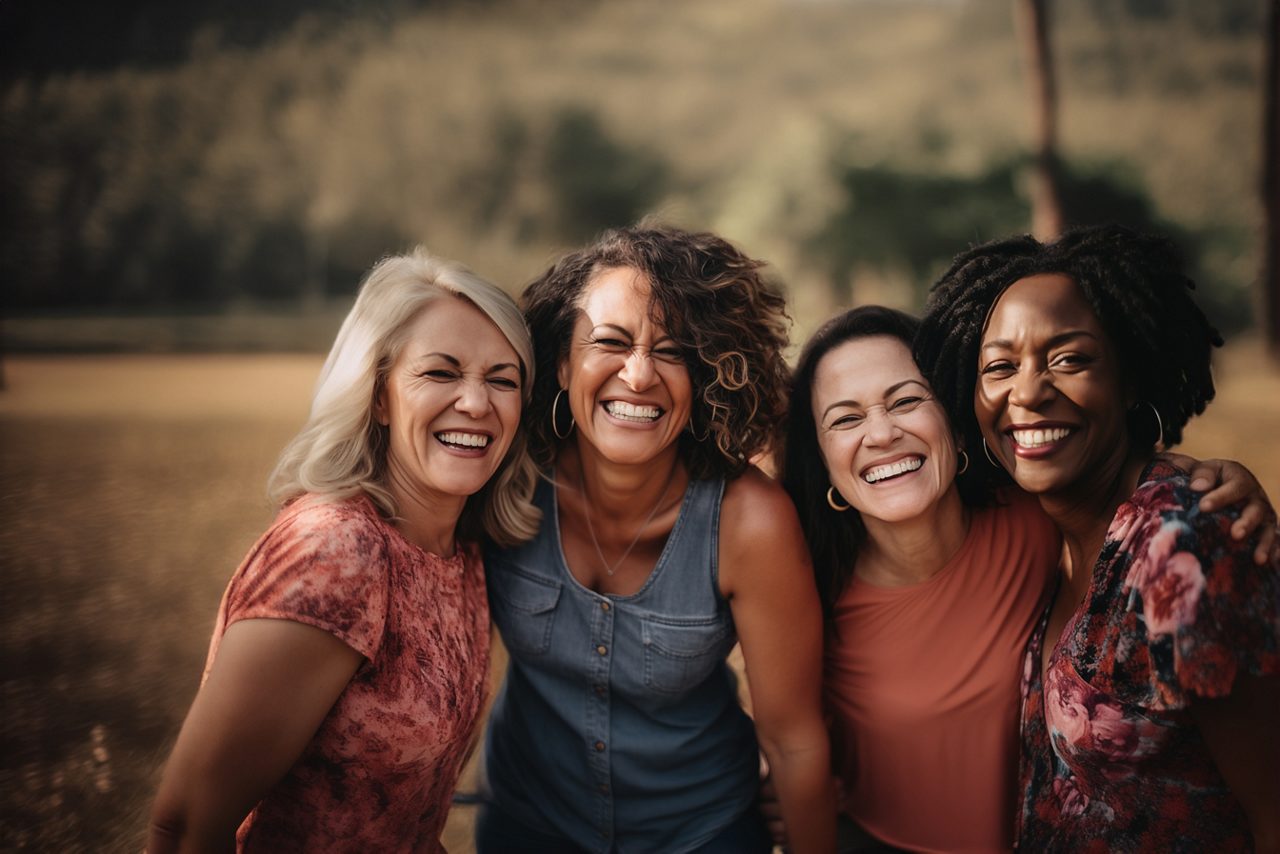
(346,674)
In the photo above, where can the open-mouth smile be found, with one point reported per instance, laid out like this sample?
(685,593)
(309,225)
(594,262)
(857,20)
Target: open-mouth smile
(635,413)
(463,441)
(1038,437)
(889,471)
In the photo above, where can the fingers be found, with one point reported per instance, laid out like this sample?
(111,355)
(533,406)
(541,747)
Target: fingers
(1268,542)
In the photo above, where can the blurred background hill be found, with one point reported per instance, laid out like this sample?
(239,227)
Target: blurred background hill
(235,160)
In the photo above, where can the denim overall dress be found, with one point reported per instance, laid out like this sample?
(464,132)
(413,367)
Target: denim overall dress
(618,725)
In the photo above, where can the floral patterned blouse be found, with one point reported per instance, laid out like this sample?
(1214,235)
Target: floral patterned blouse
(379,773)
(1111,759)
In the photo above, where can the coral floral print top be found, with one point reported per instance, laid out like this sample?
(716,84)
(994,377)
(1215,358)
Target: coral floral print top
(380,771)
(1111,759)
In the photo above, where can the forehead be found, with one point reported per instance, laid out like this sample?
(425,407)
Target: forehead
(455,326)
(1048,302)
(617,295)
(862,369)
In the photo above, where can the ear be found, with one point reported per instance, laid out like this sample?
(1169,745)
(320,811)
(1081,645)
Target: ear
(380,408)
(562,373)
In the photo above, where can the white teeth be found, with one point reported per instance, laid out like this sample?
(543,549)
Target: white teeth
(1039,438)
(631,412)
(893,469)
(467,440)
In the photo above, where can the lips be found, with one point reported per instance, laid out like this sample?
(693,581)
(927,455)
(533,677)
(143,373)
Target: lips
(879,473)
(638,413)
(463,440)
(1039,437)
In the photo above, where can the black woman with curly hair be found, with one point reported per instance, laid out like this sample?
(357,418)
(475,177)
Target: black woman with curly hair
(1150,689)
(660,375)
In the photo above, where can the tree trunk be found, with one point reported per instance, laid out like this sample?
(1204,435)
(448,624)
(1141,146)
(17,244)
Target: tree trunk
(1046,199)
(1271,184)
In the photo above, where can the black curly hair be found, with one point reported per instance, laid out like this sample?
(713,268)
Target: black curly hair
(729,323)
(1141,295)
(834,537)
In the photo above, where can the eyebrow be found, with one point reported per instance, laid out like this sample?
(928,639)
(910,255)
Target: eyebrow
(502,366)
(887,393)
(1060,338)
(627,332)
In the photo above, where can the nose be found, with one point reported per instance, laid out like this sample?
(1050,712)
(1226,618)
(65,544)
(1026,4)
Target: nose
(638,372)
(1030,388)
(880,427)
(473,399)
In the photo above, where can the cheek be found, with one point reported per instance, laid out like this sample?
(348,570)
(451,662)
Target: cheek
(986,408)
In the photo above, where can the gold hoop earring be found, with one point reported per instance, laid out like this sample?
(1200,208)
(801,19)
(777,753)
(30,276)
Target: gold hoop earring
(831,499)
(990,458)
(964,468)
(555,403)
(1159,425)
(699,439)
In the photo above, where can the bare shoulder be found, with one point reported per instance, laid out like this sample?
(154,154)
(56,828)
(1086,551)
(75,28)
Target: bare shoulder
(756,507)
(760,537)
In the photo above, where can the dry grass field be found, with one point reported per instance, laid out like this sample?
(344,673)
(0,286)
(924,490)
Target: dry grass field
(131,487)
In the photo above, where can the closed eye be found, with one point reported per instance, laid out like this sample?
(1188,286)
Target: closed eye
(850,420)
(611,343)
(440,375)
(504,383)
(669,354)
(998,369)
(906,404)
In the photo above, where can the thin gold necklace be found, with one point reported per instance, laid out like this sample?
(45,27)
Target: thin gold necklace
(586,510)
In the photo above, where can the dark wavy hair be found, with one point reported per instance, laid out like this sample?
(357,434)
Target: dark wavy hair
(834,538)
(729,323)
(1141,296)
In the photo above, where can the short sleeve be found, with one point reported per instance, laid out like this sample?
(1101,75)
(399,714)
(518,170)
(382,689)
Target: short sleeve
(324,565)
(1209,611)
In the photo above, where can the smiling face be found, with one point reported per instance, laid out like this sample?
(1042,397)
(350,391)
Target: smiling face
(451,402)
(885,441)
(1049,397)
(628,387)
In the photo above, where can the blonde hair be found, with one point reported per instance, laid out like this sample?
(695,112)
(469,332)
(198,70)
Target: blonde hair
(342,449)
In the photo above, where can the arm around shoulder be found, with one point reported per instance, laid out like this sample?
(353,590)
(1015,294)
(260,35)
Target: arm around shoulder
(766,575)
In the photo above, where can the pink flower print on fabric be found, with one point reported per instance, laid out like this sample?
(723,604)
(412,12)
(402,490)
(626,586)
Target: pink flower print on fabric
(1071,800)
(1082,719)
(1136,521)
(1170,582)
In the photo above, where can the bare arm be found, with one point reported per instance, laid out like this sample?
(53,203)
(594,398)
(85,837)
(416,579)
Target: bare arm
(765,573)
(1240,732)
(1227,482)
(272,683)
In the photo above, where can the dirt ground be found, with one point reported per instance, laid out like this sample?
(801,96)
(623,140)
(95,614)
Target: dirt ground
(131,487)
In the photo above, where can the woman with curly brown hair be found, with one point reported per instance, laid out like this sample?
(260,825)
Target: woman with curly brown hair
(659,358)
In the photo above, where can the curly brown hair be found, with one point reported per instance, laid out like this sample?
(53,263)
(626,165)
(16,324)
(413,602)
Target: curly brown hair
(729,323)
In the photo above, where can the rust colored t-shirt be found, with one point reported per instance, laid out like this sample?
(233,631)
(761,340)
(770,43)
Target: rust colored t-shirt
(379,773)
(922,686)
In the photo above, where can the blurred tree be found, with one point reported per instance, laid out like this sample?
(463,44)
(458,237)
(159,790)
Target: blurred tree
(1046,202)
(595,181)
(914,223)
(1271,182)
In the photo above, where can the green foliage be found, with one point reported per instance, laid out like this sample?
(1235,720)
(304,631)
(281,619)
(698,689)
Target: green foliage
(900,220)
(596,181)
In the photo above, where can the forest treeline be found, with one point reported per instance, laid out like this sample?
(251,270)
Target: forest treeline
(234,161)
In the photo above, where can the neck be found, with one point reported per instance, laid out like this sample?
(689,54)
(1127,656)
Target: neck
(1084,513)
(914,550)
(621,492)
(428,520)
